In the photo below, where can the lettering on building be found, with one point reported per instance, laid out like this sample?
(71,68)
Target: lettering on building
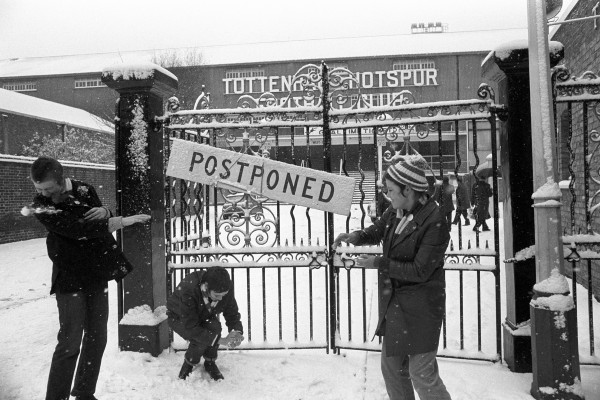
(367,80)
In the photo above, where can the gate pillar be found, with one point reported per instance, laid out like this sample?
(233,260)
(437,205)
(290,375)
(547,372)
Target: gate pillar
(510,70)
(140,189)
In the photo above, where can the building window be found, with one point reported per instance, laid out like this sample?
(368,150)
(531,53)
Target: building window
(21,86)
(413,64)
(88,83)
(244,73)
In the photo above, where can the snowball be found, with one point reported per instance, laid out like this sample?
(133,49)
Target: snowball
(27,211)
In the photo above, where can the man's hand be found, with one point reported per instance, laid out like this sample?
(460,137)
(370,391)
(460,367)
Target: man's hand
(135,219)
(351,238)
(233,340)
(96,213)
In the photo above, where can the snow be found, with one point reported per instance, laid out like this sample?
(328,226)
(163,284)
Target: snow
(557,302)
(556,283)
(137,144)
(125,71)
(29,323)
(523,329)
(66,163)
(143,315)
(32,107)
(526,253)
(317,49)
(504,50)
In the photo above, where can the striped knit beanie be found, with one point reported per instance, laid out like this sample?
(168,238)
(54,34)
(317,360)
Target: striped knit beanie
(409,174)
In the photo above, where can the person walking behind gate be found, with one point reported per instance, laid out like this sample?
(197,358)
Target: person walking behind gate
(443,195)
(462,202)
(411,282)
(480,197)
(85,256)
(193,310)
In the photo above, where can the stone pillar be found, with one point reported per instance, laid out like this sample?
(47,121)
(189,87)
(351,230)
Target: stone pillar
(140,190)
(509,68)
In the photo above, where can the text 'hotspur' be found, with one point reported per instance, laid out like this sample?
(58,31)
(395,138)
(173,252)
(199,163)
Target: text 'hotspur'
(273,179)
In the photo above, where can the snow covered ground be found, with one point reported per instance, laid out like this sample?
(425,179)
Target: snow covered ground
(29,323)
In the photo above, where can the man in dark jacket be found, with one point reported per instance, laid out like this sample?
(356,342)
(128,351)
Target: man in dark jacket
(480,197)
(462,202)
(193,310)
(411,283)
(85,256)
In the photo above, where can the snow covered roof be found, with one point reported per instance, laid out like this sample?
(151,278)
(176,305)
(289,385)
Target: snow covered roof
(29,106)
(317,49)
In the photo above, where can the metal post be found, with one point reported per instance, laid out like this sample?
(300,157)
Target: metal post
(329,218)
(549,251)
(551,378)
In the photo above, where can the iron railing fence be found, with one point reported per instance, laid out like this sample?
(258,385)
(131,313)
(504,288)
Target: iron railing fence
(577,98)
(280,254)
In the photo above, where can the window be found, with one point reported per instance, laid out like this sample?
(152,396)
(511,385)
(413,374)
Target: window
(244,73)
(21,86)
(413,64)
(88,83)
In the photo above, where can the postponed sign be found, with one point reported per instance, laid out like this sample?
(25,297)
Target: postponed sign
(273,179)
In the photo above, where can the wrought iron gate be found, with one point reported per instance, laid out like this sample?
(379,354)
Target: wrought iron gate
(577,112)
(279,254)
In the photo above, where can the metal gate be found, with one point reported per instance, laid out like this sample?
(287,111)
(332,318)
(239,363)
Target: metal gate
(577,112)
(295,292)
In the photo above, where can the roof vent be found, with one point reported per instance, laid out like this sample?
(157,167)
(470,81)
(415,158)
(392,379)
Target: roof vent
(429,27)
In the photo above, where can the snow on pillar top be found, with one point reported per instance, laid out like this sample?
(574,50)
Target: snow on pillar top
(140,77)
(513,56)
(553,293)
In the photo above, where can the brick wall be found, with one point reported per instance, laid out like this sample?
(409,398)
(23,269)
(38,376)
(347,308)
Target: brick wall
(18,191)
(582,45)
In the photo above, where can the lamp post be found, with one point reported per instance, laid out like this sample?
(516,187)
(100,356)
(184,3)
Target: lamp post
(555,355)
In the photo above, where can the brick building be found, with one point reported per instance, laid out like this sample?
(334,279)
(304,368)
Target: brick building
(18,191)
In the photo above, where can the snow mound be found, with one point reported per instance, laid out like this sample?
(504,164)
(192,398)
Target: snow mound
(143,315)
(556,283)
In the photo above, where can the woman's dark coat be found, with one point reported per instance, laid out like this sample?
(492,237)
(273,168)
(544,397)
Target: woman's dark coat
(411,279)
(84,254)
(462,197)
(480,198)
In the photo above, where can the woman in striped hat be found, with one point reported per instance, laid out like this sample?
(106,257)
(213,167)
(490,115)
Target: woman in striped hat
(411,282)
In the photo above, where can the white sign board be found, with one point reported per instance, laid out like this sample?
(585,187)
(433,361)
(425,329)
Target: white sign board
(273,179)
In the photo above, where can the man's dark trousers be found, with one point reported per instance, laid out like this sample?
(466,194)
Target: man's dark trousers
(84,311)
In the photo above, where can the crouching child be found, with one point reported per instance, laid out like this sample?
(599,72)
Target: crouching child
(193,310)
